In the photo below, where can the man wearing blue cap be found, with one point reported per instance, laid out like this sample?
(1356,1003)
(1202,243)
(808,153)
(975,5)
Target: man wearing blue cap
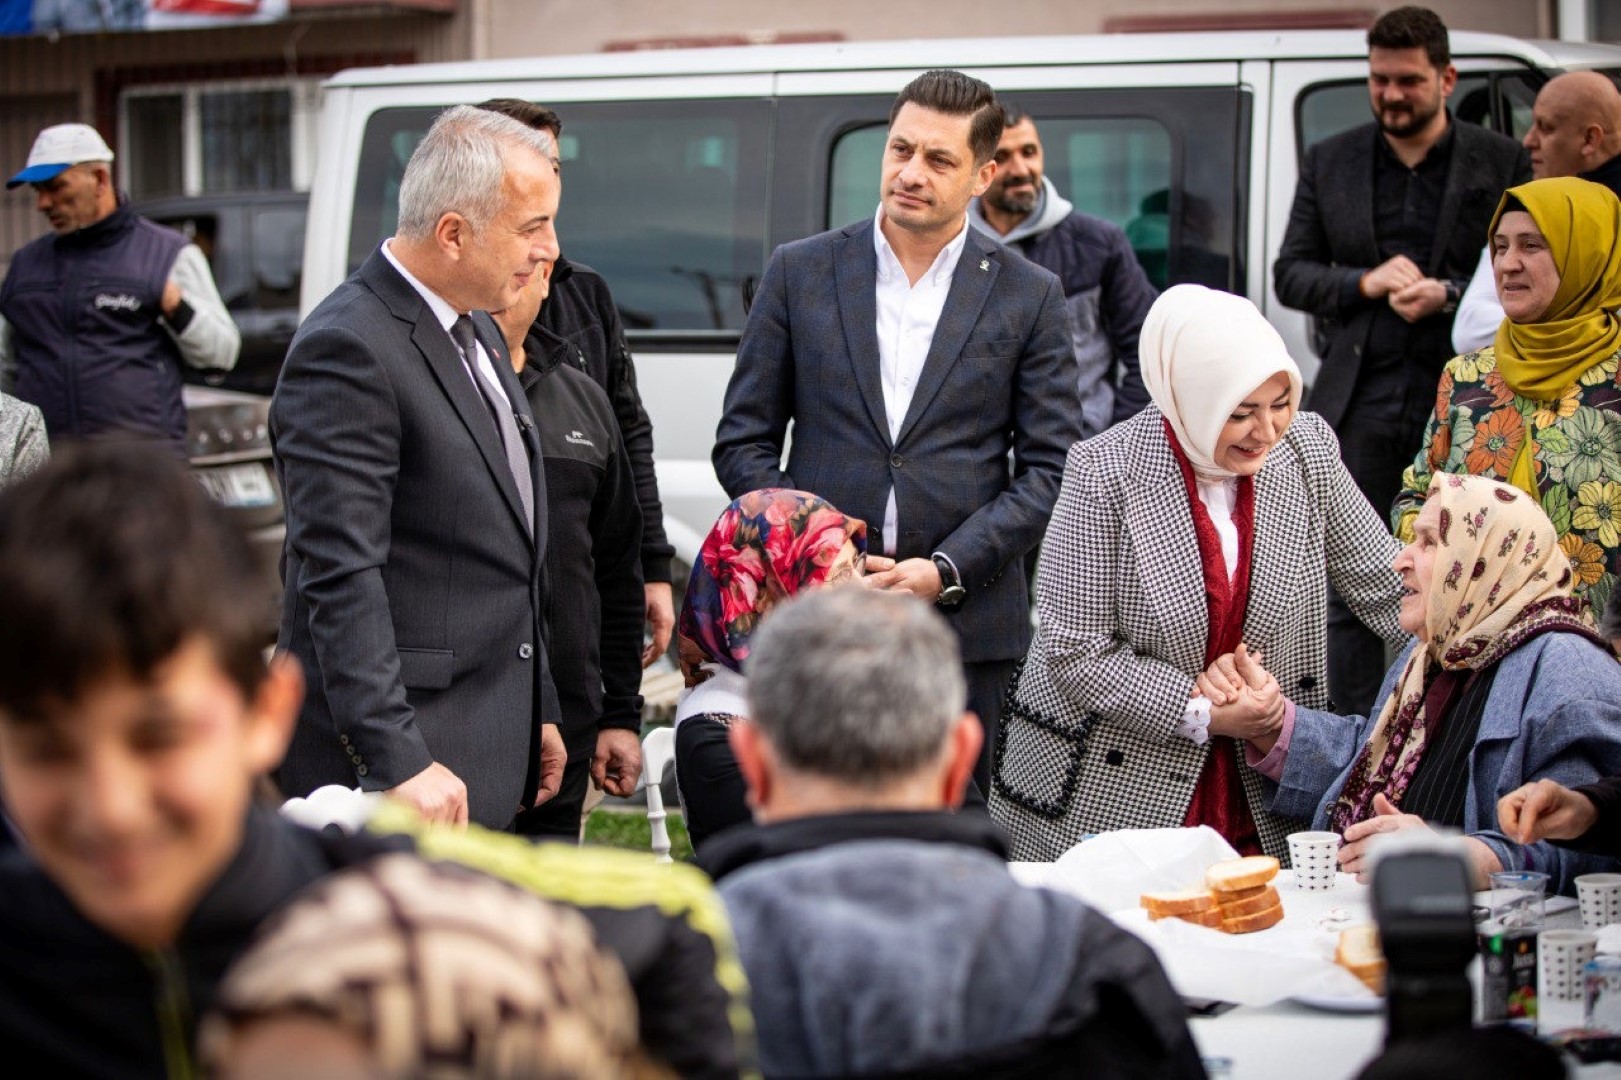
(96,318)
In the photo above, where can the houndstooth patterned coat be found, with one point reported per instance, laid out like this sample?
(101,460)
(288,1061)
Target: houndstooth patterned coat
(1089,738)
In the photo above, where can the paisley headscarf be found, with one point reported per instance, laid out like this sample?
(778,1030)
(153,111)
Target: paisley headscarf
(1202,352)
(767,546)
(1498,579)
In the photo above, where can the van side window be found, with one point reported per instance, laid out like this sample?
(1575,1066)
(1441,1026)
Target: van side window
(1499,100)
(1119,168)
(666,199)
(278,256)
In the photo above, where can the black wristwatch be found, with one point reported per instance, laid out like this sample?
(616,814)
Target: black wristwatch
(1454,295)
(952,594)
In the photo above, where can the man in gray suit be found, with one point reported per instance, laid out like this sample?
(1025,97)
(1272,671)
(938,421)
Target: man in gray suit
(1387,223)
(416,520)
(912,354)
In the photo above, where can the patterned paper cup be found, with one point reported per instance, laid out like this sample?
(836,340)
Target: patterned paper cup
(1314,858)
(1600,898)
(1561,956)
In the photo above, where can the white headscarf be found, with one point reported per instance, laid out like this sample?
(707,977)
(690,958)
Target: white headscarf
(1202,352)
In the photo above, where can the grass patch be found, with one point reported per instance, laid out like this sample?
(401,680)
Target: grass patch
(629,829)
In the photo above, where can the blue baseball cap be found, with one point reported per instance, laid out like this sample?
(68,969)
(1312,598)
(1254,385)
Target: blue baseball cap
(58,149)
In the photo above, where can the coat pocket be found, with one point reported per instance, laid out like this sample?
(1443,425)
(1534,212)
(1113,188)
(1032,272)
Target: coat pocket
(426,669)
(1038,758)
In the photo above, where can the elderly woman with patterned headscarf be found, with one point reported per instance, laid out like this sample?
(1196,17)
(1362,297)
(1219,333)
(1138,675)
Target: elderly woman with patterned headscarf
(767,546)
(1541,407)
(1506,683)
(1213,520)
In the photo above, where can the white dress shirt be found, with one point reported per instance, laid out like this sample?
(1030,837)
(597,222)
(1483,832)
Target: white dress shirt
(447,317)
(907,317)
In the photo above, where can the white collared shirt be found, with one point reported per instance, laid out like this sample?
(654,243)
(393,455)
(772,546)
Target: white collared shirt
(447,317)
(907,317)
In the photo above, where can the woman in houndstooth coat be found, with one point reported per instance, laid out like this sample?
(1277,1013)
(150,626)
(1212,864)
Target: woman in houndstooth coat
(1143,583)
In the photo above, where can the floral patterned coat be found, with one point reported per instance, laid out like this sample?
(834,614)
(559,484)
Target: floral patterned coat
(1478,427)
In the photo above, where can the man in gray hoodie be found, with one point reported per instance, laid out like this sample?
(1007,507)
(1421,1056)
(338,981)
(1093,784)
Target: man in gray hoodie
(882,934)
(1105,289)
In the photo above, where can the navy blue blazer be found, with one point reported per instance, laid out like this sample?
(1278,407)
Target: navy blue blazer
(413,592)
(1000,377)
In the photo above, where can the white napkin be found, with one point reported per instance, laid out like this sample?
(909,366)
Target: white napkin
(1293,958)
(1609,939)
(1112,870)
(347,808)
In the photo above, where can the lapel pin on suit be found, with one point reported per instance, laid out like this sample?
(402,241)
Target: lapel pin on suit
(984,264)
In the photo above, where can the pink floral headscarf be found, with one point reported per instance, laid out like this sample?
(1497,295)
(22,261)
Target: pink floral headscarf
(767,546)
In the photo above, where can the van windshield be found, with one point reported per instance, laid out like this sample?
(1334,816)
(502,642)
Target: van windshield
(665,199)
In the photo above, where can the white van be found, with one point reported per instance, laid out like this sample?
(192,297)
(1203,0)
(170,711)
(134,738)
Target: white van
(684,169)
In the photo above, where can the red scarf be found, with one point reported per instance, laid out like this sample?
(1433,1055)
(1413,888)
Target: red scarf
(1218,798)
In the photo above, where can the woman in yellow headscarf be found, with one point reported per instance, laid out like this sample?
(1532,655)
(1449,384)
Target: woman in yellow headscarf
(1541,407)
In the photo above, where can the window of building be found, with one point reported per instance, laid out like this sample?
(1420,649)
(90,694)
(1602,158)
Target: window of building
(218,137)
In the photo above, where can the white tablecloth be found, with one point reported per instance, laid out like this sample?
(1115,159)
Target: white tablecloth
(1287,1040)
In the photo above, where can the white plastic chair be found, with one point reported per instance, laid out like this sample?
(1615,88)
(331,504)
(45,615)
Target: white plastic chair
(658,755)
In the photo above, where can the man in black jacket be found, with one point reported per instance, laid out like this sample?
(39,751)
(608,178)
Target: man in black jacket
(1386,226)
(594,610)
(137,714)
(582,312)
(881,933)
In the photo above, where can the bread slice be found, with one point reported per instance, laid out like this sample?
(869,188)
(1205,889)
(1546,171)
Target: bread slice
(1231,896)
(1359,953)
(1182,902)
(1249,905)
(1211,918)
(1249,924)
(1245,873)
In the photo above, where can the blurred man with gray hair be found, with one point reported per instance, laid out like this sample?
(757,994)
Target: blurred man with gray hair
(881,932)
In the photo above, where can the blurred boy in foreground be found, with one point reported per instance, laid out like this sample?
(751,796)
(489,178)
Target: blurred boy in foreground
(137,715)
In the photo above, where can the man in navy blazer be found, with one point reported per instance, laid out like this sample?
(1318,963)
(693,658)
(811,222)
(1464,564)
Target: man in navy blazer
(416,517)
(911,355)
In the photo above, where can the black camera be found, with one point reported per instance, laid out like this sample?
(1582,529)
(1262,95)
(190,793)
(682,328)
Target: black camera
(1423,905)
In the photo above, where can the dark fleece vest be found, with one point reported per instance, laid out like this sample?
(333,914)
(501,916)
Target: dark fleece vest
(86,338)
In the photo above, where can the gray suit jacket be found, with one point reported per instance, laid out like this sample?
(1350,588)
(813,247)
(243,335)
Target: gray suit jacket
(1330,243)
(1089,739)
(1000,376)
(413,590)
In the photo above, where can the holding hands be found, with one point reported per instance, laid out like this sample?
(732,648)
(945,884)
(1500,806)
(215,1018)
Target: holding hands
(1245,700)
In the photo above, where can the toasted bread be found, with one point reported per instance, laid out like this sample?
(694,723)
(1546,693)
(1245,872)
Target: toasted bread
(1248,924)
(1233,909)
(1359,953)
(1183,902)
(1245,873)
